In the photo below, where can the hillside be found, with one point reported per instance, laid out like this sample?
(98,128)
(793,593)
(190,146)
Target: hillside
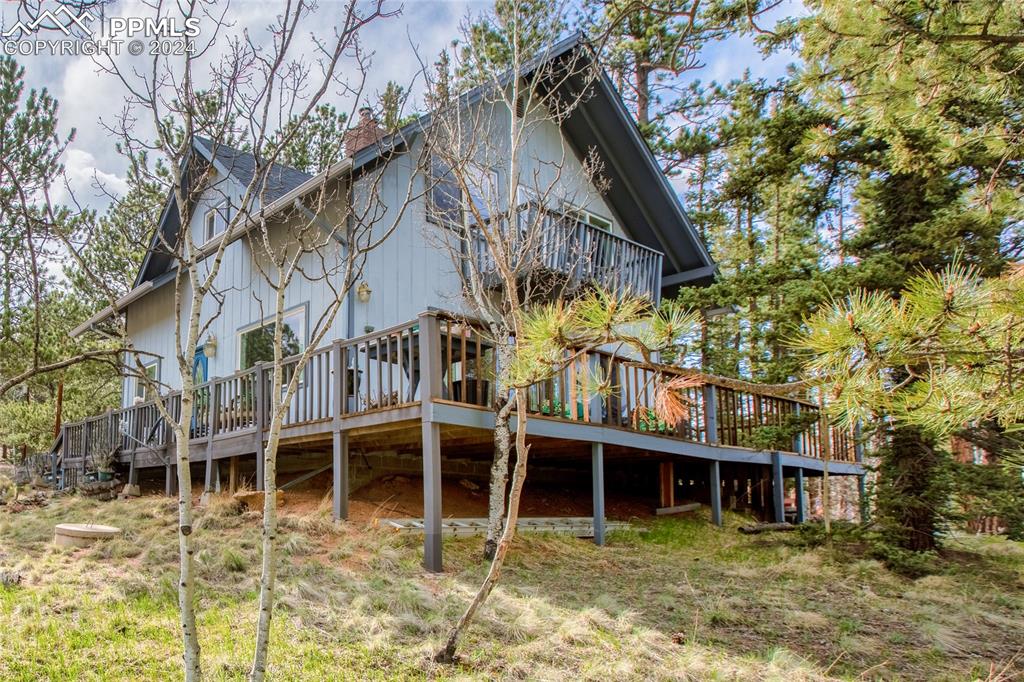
(682,601)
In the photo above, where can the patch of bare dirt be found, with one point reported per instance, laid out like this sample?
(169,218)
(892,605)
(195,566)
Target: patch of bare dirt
(400,496)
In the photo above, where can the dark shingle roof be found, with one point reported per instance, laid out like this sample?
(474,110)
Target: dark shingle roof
(241,165)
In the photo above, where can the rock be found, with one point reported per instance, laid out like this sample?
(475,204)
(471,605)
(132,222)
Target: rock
(469,485)
(10,578)
(130,490)
(253,499)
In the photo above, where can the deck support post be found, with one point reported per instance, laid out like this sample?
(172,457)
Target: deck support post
(259,468)
(778,491)
(432,496)
(801,509)
(340,472)
(430,388)
(133,472)
(715,485)
(667,483)
(169,480)
(597,469)
(233,475)
(862,493)
(208,474)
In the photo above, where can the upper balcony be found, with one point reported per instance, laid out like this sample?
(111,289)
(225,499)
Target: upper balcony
(573,254)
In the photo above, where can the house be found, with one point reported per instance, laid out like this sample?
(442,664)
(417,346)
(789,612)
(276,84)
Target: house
(405,382)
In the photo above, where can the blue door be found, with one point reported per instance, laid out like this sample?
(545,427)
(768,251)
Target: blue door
(200,373)
(200,366)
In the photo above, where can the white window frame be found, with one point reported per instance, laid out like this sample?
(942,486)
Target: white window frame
(589,217)
(301,311)
(219,216)
(140,388)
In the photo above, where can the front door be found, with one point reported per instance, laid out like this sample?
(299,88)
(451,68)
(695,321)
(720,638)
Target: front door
(200,373)
(200,367)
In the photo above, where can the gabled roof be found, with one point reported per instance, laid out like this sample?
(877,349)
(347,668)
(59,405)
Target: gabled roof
(646,204)
(231,162)
(241,165)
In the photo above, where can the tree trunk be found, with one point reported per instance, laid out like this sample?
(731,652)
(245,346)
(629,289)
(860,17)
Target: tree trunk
(186,584)
(911,490)
(268,575)
(447,653)
(502,450)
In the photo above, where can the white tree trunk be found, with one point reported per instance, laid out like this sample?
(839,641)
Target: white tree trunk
(186,578)
(268,575)
(447,653)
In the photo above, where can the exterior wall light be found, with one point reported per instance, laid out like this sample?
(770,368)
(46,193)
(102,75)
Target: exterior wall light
(210,347)
(363,292)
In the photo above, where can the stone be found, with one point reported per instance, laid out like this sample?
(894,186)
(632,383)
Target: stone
(10,578)
(253,499)
(82,534)
(130,490)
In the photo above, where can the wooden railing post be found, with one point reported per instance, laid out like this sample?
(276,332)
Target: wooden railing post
(798,439)
(339,384)
(214,406)
(710,413)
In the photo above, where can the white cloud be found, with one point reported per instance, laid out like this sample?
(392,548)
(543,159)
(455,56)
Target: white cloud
(90,184)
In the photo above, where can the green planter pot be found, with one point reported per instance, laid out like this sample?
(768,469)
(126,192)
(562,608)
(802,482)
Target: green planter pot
(104,475)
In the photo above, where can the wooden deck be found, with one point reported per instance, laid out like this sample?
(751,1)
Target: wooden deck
(423,386)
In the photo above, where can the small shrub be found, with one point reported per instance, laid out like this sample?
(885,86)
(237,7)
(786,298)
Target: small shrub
(905,562)
(232,561)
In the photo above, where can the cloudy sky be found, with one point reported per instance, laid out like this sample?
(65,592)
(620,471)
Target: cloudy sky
(88,97)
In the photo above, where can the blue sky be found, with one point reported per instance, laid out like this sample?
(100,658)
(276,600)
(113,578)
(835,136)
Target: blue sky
(89,98)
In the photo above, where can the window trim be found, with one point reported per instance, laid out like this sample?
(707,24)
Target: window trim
(219,213)
(138,383)
(465,220)
(302,308)
(587,215)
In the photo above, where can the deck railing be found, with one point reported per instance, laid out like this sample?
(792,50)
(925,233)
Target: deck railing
(580,253)
(382,371)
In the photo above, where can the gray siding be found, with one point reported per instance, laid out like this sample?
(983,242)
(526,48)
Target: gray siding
(407,274)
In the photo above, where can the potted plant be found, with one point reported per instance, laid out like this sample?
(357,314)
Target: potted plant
(104,461)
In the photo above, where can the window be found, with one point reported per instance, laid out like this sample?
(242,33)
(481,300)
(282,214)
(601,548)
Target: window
(145,391)
(592,219)
(216,221)
(256,343)
(445,201)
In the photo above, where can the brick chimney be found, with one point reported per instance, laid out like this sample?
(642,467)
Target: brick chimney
(364,133)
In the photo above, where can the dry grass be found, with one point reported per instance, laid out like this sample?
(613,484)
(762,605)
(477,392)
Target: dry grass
(684,601)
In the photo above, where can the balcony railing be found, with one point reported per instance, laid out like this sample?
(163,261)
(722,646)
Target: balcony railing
(546,241)
(385,371)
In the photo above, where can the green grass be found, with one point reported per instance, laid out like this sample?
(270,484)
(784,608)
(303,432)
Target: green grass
(684,600)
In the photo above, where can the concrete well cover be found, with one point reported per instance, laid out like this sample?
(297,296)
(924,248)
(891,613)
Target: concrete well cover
(82,534)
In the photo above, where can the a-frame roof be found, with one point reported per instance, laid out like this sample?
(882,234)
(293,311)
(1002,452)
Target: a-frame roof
(640,193)
(230,162)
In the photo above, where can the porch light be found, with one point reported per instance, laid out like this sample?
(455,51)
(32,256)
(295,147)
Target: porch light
(210,347)
(363,292)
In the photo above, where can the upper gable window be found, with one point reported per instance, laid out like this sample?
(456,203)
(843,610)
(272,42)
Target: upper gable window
(445,202)
(215,221)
